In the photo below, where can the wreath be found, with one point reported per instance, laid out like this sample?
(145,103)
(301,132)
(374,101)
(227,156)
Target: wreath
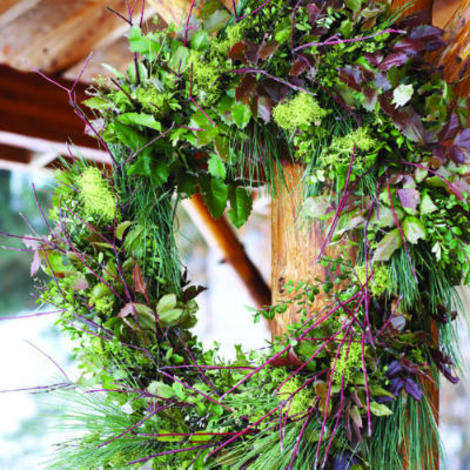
(220,106)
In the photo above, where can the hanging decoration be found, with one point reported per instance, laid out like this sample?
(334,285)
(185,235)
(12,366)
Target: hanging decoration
(344,89)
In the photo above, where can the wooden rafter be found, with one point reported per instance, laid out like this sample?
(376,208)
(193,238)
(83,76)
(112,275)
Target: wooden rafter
(56,35)
(12,9)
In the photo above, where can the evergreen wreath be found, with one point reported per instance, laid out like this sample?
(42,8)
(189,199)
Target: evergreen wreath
(219,106)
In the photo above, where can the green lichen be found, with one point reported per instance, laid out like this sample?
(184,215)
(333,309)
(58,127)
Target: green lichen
(358,142)
(348,362)
(206,73)
(153,100)
(298,403)
(379,283)
(300,112)
(95,194)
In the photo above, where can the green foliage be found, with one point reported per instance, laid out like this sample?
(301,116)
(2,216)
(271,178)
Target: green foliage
(215,109)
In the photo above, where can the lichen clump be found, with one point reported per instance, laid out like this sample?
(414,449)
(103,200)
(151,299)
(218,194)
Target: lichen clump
(379,282)
(96,195)
(349,360)
(358,143)
(299,399)
(299,112)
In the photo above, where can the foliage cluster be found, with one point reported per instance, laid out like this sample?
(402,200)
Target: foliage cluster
(217,107)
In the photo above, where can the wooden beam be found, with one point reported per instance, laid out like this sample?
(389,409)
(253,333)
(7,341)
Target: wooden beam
(32,107)
(12,9)
(56,35)
(220,236)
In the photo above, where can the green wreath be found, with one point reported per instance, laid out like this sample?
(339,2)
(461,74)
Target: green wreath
(219,106)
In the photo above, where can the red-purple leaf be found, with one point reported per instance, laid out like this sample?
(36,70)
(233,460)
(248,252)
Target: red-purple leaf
(139,283)
(246,90)
(408,46)
(451,128)
(299,67)
(406,119)
(238,52)
(352,76)
(394,59)
(267,50)
(409,198)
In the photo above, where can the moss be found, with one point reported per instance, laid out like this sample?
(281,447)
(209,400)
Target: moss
(153,100)
(379,282)
(299,112)
(301,401)
(205,75)
(341,148)
(347,363)
(95,194)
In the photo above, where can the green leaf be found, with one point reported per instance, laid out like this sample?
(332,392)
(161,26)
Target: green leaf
(355,5)
(241,204)
(129,136)
(379,409)
(200,41)
(414,230)
(179,58)
(315,207)
(159,173)
(215,193)
(216,21)
(241,114)
(142,44)
(167,302)
(140,119)
(221,146)
(170,317)
(216,167)
(387,246)
(402,94)
(427,206)
(97,103)
(121,228)
(160,389)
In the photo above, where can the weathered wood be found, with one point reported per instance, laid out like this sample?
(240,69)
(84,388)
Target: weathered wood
(56,35)
(32,107)
(455,59)
(12,9)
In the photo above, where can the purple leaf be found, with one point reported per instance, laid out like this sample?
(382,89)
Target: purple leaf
(463,139)
(413,389)
(408,46)
(396,386)
(394,368)
(394,59)
(352,76)
(409,198)
(36,263)
(450,129)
